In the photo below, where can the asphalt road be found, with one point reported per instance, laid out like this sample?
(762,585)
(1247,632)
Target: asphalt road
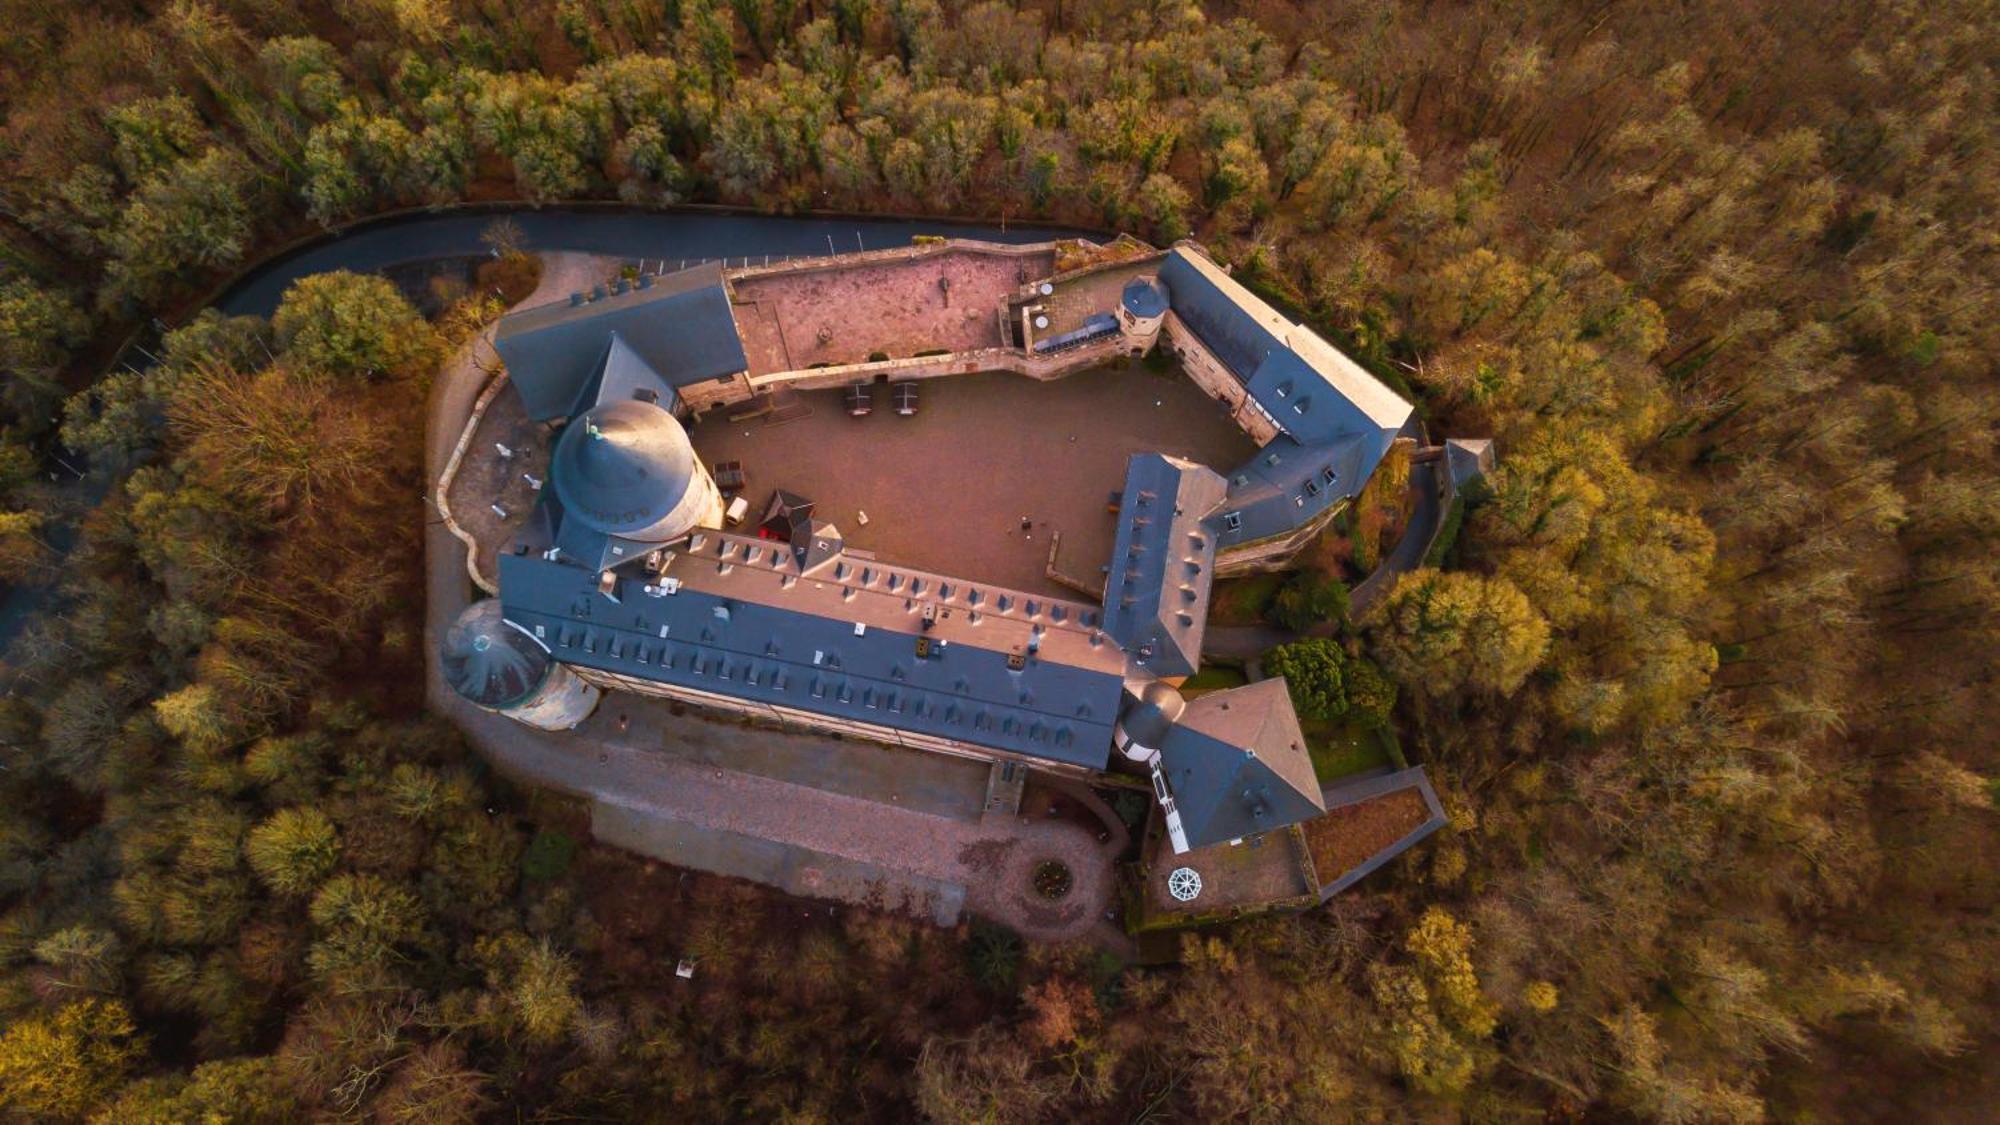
(672,237)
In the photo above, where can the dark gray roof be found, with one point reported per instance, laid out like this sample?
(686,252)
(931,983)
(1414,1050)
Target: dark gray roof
(625,374)
(680,325)
(1144,296)
(1468,459)
(1287,484)
(820,544)
(489,661)
(1237,764)
(843,642)
(1156,598)
(1328,394)
(623,466)
(1150,712)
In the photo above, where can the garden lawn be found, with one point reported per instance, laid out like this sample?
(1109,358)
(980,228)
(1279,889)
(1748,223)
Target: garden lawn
(1340,748)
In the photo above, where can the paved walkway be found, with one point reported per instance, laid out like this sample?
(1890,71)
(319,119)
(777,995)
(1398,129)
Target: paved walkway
(1409,552)
(656,769)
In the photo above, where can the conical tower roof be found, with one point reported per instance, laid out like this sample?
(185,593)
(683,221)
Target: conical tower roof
(1151,712)
(489,661)
(623,467)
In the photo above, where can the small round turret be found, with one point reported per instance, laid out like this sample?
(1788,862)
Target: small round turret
(496,666)
(1142,309)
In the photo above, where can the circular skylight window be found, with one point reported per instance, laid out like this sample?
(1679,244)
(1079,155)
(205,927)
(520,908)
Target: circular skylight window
(1184,883)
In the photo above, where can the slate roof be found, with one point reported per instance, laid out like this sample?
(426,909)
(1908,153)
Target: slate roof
(679,325)
(1150,711)
(1287,484)
(489,661)
(624,374)
(1336,420)
(622,467)
(745,623)
(1247,334)
(1144,296)
(1468,459)
(1237,764)
(1162,563)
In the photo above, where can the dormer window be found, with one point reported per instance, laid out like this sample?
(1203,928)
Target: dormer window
(1328,475)
(1301,406)
(1233,521)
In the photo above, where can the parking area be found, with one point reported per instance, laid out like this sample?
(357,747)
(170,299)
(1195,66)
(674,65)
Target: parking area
(947,489)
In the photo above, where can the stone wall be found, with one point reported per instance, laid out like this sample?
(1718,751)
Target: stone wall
(794,718)
(1210,375)
(1276,552)
(913,253)
(1013,360)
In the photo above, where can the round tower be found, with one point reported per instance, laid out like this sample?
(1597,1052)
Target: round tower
(501,667)
(1142,308)
(625,468)
(1148,716)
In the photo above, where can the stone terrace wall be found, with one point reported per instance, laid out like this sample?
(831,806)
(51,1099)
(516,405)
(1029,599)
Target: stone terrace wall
(899,254)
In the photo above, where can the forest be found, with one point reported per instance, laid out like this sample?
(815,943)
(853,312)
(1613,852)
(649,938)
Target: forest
(1701,682)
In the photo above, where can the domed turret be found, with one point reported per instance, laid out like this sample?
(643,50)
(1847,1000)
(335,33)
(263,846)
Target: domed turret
(501,668)
(1142,308)
(625,468)
(1148,716)
(1143,296)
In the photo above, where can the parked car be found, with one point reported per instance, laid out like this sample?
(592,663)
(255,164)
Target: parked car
(904,395)
(860,400)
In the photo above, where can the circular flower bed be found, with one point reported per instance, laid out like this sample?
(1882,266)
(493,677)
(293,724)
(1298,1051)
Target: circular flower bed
(1052,879)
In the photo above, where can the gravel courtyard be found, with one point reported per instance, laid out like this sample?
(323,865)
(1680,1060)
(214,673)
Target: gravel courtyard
(946,490)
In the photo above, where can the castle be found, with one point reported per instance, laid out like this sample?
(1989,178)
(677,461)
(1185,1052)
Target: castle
(626,575)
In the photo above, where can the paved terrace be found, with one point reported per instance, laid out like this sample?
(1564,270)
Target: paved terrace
(1078,298)
(945,490)
(817,816)
(794,317)
(486,481)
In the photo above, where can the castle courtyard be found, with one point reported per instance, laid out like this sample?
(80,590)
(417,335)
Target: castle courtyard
(946,490)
